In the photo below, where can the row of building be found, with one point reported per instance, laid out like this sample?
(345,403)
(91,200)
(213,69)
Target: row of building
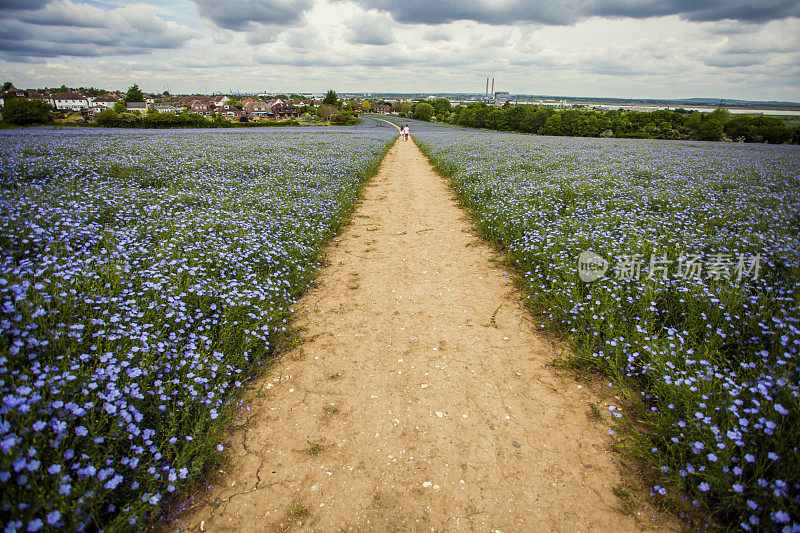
(88,104)
(274,109)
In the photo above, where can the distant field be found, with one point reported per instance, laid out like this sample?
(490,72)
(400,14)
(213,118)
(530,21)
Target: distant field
(792,122)
(695,309)
(144,277)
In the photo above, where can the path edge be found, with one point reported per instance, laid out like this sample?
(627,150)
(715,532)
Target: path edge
(633,491)
(200,491)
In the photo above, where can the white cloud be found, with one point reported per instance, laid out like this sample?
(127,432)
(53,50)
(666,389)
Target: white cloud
(659,50)
(369,28)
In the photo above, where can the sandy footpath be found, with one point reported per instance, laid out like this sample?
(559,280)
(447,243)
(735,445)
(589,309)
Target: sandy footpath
(421,399)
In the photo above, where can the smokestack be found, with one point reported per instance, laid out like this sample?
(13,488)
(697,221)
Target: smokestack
(492,87)
(487,86)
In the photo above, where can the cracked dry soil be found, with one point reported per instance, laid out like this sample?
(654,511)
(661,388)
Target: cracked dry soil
(421,398)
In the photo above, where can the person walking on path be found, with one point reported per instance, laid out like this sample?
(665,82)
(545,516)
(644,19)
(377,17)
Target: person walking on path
(405,132)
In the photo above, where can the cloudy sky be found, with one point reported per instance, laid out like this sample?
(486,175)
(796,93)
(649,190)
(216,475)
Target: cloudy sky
(746,49)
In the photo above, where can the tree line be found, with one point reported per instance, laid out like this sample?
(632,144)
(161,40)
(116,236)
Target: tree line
(22,111)
(112,119)
(718,125)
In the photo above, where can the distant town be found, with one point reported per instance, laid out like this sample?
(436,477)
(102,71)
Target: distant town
(82,105)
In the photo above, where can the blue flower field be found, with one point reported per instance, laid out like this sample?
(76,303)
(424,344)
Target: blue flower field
(694,308)
(144,278)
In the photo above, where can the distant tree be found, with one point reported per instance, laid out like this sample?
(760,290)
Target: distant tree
(107,118)
(282,97)
(326,112)
(710,129)
(515,116)
(295,96)
(590,125)
(570,122)
(120,106)
(165,93)
(541,115)
(693,121)
(776,133)
(365,106)
(621,125)
(528,122)
(423,111)
(340,119)
(482,116)
(740,128)
(497,119)
(134,94)
(330,98)
(128,120)
(758,129)
(722,115)
(442,106)
(63,89)
(24,111)
(7,85)
(467,116)
(553,126)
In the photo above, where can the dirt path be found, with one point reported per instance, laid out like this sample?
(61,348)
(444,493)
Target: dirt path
(421,399)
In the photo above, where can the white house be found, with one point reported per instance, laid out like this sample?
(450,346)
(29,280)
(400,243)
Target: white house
(136,106)
(71,101)
(107,101)
(166,108)
(256,108)
(221,99)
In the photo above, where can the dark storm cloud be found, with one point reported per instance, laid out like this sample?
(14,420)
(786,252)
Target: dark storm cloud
(762,11)
(62,28)
(40,49)
(22,4)
(444,11)
(572,11)
(245,14)
(704,11)
(65,14)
